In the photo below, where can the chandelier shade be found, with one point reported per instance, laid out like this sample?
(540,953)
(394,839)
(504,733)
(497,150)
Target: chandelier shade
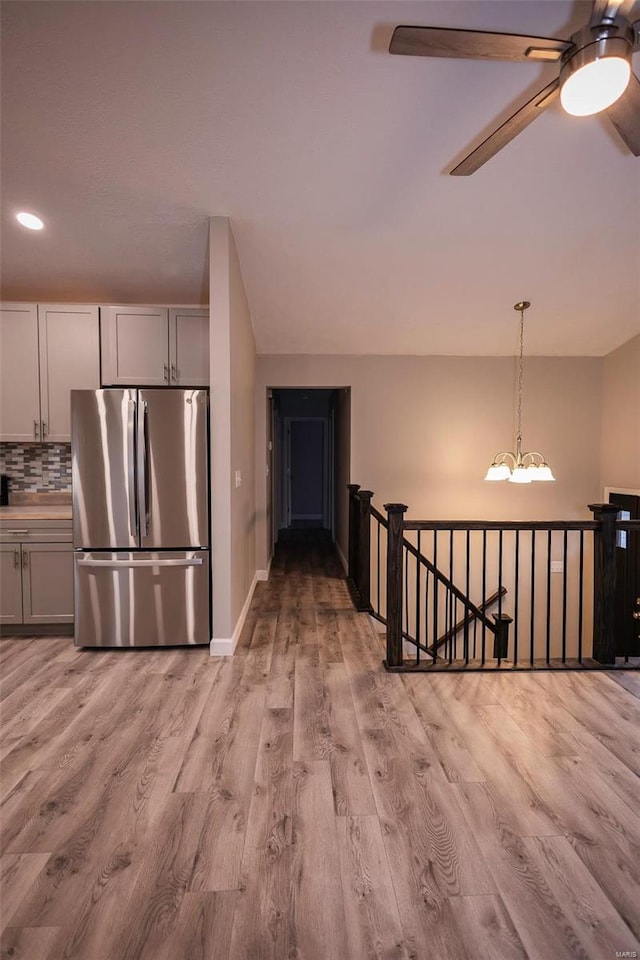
(519,467)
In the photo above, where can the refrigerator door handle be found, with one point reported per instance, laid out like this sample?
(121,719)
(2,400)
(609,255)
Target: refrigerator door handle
(193,562)
(143,469)
(131,454)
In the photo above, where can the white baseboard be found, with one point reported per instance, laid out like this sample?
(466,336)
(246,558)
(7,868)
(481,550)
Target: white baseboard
(221,648)
(264,574)
(343,559)
(225,646)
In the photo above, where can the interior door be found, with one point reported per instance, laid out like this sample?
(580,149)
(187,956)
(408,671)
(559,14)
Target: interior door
(173,459)
(306,449)
(627,578)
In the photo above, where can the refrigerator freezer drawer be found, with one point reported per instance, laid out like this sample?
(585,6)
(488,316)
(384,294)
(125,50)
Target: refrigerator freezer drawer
(141,599)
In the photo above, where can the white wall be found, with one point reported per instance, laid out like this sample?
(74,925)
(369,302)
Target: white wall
(243,363)
(424,429)
(232,364)
(620,447)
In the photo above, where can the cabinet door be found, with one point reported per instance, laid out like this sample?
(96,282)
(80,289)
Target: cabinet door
(69,339)
(135,346)
(19,391)
(189,347)
(47,582)
(10,583)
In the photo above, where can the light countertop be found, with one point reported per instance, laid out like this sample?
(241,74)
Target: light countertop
(36,511)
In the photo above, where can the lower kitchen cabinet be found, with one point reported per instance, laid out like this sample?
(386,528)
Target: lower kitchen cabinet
(47,583)
(10,583)
(36,575)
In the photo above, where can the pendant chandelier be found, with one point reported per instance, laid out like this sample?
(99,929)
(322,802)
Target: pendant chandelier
(519,467)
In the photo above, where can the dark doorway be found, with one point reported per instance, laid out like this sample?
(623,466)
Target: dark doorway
(308,466)
(311,443)
(627,578)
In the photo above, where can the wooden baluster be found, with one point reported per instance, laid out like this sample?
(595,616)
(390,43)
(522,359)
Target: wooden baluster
(604,581)
(364,549)
(354,516)
(395,517)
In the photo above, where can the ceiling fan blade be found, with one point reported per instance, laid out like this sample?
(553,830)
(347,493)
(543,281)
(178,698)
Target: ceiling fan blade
(474,44)
(508,130)
(625,115)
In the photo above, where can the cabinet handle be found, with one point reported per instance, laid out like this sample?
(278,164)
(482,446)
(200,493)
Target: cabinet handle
(165,373)
(36,430)
(43,428)
(174,373)
(16,558)
(16,532)
(25,559)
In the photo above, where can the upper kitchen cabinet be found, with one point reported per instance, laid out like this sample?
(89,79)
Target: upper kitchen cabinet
(69,347)
(189,347)
(46,351)
(19,376)
(155,346)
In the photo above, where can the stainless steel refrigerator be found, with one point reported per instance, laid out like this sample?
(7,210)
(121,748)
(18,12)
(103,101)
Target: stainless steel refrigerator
(140,517)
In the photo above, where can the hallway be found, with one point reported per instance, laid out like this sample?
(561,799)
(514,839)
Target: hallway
(297,801)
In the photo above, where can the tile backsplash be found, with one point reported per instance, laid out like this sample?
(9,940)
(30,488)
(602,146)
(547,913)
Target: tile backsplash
(36,467)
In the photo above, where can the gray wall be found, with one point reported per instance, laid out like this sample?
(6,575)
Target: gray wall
(424,430)
(620,449)
(232,364)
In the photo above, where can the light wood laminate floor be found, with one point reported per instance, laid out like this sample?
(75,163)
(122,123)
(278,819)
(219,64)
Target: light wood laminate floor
(296,801)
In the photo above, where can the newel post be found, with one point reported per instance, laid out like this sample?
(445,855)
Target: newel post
(354,515)
(364,549)
(501,637)
(604,581)
(395,533)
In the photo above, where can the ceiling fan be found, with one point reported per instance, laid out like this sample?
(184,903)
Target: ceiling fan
(595,71)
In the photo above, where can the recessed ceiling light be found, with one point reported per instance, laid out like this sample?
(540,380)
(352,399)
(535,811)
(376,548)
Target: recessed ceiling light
(29,220)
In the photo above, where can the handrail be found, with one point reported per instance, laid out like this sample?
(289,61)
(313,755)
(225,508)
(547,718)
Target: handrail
(380,517)
(456,628)
(546,618)
(450,585)
(502,525)
(444,580)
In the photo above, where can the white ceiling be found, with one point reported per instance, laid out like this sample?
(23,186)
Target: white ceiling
(126,125)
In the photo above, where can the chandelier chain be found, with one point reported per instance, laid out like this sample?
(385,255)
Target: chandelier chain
(519,467)
(520,372)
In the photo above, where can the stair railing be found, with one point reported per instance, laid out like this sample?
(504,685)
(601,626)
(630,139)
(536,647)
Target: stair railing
(555,593)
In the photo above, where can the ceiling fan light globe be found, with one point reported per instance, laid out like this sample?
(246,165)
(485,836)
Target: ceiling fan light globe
(594,86)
